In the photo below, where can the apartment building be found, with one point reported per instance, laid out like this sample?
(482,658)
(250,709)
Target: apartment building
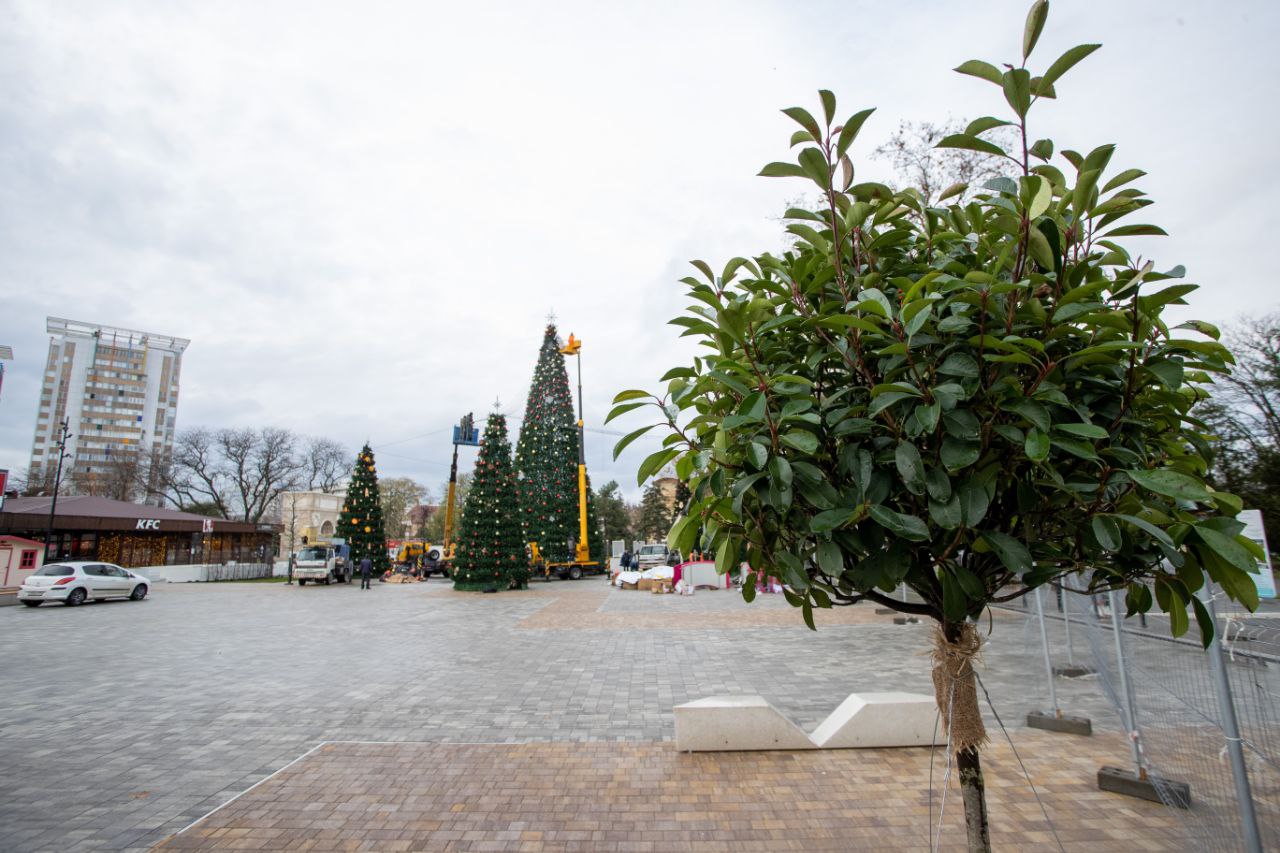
(118,390)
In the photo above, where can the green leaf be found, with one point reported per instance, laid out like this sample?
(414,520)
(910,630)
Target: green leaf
(1136,231)
(802,117)
(805,442)
(970,143)
(759,454)
(622,409)
(1041,251)
(1227,548)
(954,605)
(1036,445)
(1017,89)
(938,484)
(946,514)
(1123,178)
(974,502)
(681,535)
(1107,532)
(1172,484)
(628,438)
(908,527)
(1063,63)
(814,164)
(1035,24)
(830,558)
(831,519)
(959,364)
(782,170)
(957,454)
(780,471)
(910,467)
(1177,611)
(849,132)
(726,557)
(1207,628)
(985,123)
(749,587)
(1011,552)
(1150,529)
(807,610)
(654,462)
(828,104)
(983,70)
(624,396)
(1082,430)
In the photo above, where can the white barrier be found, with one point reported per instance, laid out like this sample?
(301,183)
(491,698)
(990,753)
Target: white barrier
(728,723)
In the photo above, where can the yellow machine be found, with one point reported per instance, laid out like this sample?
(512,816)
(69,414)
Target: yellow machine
(581,562)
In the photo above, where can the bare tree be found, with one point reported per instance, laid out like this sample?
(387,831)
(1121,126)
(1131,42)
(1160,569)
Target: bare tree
(259,466)
(919,163)
(195,473)
(327,465)
(398,495)
(120,477)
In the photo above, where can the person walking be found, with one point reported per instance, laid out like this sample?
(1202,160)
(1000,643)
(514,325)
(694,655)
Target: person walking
(366,572)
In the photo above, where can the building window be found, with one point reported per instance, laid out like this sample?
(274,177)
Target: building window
(28,560)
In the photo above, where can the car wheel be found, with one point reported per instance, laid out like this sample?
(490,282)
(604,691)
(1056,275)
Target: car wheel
(139,592)
(302,581)
(32,603)
(77,597)
(575,573)
(327,580)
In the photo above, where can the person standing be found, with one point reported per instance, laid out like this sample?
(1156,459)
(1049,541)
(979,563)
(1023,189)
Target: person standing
(366,571)
(292,558)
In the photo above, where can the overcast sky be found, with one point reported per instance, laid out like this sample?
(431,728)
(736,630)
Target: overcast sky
(361,213)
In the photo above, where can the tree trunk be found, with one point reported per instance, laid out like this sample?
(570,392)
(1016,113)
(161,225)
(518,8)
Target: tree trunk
(973,794)
(955,689)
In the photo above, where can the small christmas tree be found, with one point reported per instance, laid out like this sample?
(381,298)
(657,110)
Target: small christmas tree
(360,522)
(490,542)
(546,460)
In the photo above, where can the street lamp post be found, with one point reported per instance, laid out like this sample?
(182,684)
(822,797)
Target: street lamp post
(57,484)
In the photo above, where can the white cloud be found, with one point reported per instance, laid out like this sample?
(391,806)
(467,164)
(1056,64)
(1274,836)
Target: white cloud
(361,215)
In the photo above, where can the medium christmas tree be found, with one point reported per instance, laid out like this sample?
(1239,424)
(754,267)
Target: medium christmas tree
(360,522)
(490,542)
(547,459)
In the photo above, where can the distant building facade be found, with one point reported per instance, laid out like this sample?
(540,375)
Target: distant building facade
(308,517)
(118,390)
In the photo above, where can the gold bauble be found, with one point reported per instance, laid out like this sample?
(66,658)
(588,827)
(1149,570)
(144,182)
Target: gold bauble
(368,530)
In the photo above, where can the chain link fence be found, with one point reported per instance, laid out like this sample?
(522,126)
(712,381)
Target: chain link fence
(238,571)
(1203,726)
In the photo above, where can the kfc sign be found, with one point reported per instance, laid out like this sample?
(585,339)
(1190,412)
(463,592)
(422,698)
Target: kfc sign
(148,524)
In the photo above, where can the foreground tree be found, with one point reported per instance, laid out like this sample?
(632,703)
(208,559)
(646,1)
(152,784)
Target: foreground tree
(490,541)
(973,400)
(360,523)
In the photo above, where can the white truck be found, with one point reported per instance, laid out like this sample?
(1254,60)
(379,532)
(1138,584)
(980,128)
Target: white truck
(323,564)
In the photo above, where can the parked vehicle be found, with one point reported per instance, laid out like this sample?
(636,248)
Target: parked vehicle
(648,556)
(323,564)
(76,583)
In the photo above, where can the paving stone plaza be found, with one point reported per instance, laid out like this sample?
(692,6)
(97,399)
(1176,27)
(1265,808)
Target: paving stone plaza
(124,723)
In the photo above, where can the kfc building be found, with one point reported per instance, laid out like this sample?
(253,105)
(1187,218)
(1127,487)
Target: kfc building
(134,535)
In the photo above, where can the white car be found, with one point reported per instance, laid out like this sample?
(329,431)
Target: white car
(76,583)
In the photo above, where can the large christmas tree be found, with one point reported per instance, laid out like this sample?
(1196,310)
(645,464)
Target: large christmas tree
(490,541)
(547,460)
(360,522)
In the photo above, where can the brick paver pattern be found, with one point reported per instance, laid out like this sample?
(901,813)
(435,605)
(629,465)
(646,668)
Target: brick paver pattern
(123,722)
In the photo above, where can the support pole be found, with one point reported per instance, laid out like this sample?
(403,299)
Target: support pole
(1066,622)
(1126,698)
(1231,729)
(1044,647)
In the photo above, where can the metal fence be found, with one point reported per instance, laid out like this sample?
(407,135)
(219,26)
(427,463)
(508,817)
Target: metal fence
(238,571)
(1207,719)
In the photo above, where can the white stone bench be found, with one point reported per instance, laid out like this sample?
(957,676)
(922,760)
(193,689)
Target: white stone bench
(722,723)
(880,719)
(726,723)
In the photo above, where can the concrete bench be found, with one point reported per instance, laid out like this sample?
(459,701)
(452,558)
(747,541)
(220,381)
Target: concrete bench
(726,723)
(880,719)
(723,723)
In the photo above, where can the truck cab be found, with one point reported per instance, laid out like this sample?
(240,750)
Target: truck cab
(323,563)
